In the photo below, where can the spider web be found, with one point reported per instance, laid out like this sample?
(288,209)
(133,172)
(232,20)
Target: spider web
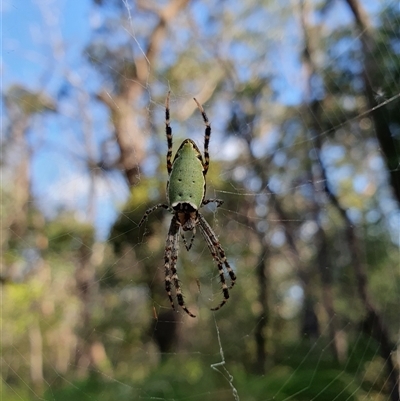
(211,353)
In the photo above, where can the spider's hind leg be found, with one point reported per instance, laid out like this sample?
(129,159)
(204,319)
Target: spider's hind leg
(207,135)
(151,210)
(168,132)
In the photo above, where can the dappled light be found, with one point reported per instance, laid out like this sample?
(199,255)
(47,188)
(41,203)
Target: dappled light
(128,218)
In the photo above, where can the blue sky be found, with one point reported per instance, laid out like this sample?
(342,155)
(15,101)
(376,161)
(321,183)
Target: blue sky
(29,29)
(25,34)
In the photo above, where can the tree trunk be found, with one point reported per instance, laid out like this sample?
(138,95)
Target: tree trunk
(36,357)
(84,278)
(130,137)
(374,319)
(389,146)
(323,263)
(21,192)
(262,278)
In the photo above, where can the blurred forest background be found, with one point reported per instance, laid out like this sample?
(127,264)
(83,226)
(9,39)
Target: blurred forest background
(304,101)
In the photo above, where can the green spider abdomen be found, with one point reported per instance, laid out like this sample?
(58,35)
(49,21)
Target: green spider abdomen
(186,182)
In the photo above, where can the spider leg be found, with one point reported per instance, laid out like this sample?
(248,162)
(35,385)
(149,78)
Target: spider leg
(168,132)
(168,259)
(207,135)
(218,255)
(214,240)
(188,247)
(219,202)
(220,265)
(151,210)
(171,257)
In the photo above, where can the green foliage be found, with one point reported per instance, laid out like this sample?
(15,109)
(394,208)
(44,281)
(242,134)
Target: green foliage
(94,314)
(301,378)
(27,101)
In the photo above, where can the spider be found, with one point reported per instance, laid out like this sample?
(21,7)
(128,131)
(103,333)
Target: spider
(186,188)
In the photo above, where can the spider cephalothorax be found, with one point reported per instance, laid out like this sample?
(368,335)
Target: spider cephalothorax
(187,216)
(186,190)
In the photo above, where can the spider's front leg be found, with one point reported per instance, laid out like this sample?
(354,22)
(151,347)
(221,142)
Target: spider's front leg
(170,260)
(208,231)
(219,256)
(220,265)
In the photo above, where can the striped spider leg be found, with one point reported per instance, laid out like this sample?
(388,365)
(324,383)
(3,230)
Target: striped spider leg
(186,189)
(170,260)
(219,256)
